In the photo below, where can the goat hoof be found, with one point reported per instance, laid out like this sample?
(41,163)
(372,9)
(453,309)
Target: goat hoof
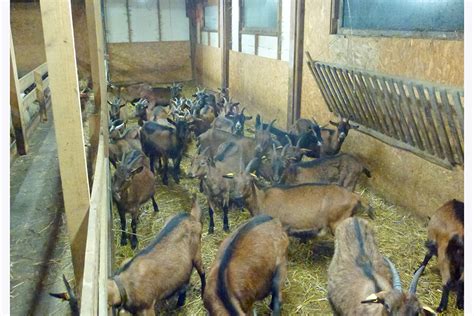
(440,309)
(226,229)
(165,181)
(133,243)
(123,241)
(460,304)
(211,230)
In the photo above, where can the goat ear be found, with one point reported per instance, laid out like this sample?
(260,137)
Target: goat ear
(372,298)
(428,311)
(333,123)
(228,176)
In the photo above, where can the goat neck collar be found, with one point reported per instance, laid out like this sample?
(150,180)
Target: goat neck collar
(122,292)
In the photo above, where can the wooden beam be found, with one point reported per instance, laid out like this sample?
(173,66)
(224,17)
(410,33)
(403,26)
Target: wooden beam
(193,33)
(59,45)
(16,105)
(225,35)
(296,61)
(96,50)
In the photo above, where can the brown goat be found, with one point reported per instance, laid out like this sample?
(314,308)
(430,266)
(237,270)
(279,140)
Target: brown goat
(156,96)
(318,206)
(446,240)
(342,169)
(362,282)
(133,184)
(163,268)
(250,265)
(160,270)
(122,144)
(333,140)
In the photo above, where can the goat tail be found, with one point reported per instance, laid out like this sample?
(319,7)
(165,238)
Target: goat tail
(196,210)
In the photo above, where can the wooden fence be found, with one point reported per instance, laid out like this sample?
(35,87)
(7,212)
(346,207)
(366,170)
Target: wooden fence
(424,118)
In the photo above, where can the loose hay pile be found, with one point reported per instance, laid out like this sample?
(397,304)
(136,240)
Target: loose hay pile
(400,236)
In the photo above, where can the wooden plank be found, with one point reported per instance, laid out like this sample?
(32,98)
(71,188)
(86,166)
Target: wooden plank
(329,88)
(455,139)
(431,125)
(225,36)
(394,110)
(375,105)
(341,88)
(400,113)
(422,127)
(362,99)
(442,132)
(40,96)
(61,57)
(322,88)
(17,118)
(363,116)
(409,115)
(367,97)
(193,32)
(381,102)
(295,64)
(459,109)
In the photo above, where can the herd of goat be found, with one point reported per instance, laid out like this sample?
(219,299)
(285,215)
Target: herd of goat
(285,195)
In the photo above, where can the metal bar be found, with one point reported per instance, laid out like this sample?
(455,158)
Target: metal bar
(409,116)
(401,115)
(419,119)
(431,124)
(456,139)
(442,133)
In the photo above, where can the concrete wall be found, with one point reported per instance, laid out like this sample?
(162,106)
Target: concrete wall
(153,62)
(399,176)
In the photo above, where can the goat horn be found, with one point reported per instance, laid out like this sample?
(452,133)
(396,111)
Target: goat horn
(416,277)
(271,125)
(396,283)
(314,121)
(289,140)
(298,143)
(274,149)
(242,112)
(283,151)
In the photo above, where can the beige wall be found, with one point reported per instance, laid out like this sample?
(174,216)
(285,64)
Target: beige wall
(260,84)
(27,30)
(208,66)
(153,62)
(399,176)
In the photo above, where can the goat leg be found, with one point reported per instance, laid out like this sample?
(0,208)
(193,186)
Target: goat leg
(123,226)
(182,295)
(444,297)
(133,236)
(152,163)
(164,172)
(176,165)
(226,218)
(155,205)
(275,304)
(211,220)
(197,263)
(460,295)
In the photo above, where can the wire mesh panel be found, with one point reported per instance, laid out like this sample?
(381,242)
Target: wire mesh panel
(421,117)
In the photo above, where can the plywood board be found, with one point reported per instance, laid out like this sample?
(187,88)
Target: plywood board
(116,21)
(144,23)
(427,59)
(154,62)
(208,66)
(174,23)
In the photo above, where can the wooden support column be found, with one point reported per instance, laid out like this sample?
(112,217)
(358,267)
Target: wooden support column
(296,61)
(59,45)
(225,36)
(191,14)
(96,49)
(40,96)
(15,104)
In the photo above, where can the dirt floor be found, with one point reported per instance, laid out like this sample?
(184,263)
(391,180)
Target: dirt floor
(400,236)
(39,249)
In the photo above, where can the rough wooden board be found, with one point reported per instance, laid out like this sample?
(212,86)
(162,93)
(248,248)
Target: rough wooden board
(208,66)
(425,59)
(261,85)
(153,62)
(59,43)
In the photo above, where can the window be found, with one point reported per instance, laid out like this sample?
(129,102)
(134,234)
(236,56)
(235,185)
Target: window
(439,18)
(260,16)
(211,18)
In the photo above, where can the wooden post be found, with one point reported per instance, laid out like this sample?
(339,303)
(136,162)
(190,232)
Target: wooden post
(40,96)
(191,14)
(296,61)
(96,49)
(60,54)
(15,104)
(224,35)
